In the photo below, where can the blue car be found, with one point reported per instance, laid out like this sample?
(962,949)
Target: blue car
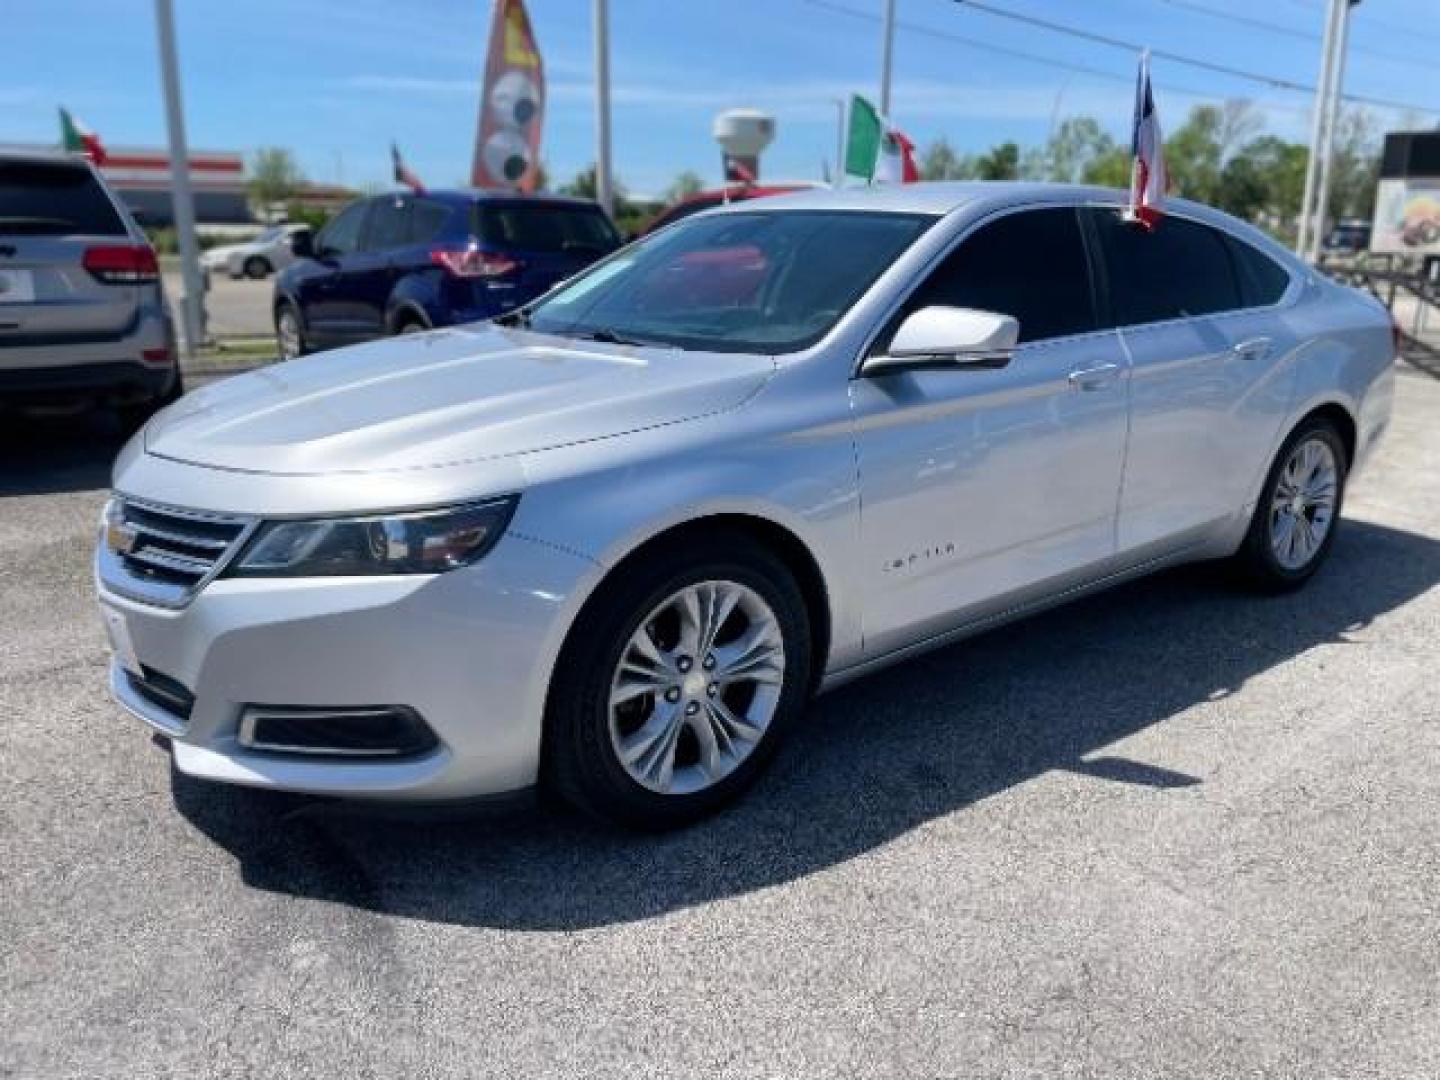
(400,263)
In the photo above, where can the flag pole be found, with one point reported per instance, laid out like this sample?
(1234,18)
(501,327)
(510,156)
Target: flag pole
(603,192)
(840,143)
(192,309)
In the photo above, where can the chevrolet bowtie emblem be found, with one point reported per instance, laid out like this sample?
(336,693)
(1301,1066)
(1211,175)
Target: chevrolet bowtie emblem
(121,538)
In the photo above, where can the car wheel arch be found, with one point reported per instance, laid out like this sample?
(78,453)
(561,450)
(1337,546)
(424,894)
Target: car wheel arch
(406,313)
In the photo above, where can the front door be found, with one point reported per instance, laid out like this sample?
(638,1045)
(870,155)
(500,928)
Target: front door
(981,487)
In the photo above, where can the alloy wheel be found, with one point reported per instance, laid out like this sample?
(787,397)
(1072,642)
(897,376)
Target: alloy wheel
(1302,509)
(696,687)
(287,329)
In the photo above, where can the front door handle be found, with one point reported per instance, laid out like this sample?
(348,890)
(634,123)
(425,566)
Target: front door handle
(1258,346)
(1095,378)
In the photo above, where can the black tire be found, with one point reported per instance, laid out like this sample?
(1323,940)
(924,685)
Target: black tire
(302,346)
(257,268)
(581,763)
(1256,561)
(409,324)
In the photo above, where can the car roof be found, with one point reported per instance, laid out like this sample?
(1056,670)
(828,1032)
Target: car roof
(470,195)
(939,198)
(40,156)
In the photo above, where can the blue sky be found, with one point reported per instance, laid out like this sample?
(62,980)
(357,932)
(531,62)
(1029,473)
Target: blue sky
(336,80)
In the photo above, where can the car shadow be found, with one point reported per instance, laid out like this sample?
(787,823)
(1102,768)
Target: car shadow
(873,760)
(44,455)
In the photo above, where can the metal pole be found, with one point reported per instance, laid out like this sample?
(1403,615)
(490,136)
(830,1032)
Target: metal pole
(1317,126)
(887,49)
(603,193)
(840,142)
(192,302)
(1332,120)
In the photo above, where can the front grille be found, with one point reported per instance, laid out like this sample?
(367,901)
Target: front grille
(163,555)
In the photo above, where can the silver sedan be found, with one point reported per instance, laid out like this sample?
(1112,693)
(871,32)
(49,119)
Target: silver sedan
(614,542)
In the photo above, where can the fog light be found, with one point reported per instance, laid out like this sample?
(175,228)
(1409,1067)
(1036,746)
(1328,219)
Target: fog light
(389,731)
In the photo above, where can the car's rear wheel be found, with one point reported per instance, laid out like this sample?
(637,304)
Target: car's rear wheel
(677,683)
(289,336)
(1295,520)
(257,268)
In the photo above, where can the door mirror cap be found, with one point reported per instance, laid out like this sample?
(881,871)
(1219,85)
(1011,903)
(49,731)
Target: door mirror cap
(302,244)
(946,337)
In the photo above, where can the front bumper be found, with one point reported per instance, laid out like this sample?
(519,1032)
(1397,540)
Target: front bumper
(470,651)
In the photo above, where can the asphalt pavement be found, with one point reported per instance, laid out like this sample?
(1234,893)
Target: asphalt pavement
(1175,830)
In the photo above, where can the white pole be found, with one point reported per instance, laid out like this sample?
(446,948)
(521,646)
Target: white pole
(1317,126)
(1332,121)
(839,142)
(887,49)
(603,192)
(192,302)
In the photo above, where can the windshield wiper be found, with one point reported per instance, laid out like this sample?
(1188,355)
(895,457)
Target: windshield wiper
(604,335)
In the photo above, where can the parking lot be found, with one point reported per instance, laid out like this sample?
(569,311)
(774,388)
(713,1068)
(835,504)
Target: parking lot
(1175,830)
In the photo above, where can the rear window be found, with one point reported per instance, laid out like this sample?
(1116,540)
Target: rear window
(41,199)
(546,228)
(1262,280)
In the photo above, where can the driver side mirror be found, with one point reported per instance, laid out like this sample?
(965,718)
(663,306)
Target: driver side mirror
(302,244)
(945,338)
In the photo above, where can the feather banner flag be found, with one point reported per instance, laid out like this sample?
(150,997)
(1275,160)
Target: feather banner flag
(512,104)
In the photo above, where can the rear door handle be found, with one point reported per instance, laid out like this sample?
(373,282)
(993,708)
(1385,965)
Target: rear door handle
(1095,378)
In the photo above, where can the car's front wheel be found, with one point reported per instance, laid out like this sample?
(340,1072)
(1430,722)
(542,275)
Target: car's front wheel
(678,682)
(256,268)
(1299,508)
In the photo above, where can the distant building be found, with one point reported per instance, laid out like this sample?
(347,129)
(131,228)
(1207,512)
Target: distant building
(141,176)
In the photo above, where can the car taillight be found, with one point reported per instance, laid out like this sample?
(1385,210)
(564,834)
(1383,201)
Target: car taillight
(471,263)
(122,264)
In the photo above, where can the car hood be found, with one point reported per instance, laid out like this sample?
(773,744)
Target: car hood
(444,398)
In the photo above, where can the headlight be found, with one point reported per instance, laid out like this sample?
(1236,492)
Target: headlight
(425,542)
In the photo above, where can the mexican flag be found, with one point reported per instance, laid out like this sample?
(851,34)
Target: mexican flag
(863,133)
(897,160)
(79,139)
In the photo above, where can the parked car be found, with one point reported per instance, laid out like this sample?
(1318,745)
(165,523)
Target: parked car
(83,317)
(395,264)
(258,258)
(613,542)
(723,196)
(1348,238)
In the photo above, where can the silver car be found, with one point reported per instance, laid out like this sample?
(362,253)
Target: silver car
(82,314)
(256,258)
(615,544)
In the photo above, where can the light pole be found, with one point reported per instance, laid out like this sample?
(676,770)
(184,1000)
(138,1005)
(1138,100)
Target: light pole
(1332,120)
(887,49)
(192,309)
(603,188)
(1317,124)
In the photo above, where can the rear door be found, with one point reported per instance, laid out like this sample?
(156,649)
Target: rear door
(550,241)
(373,270)
(51,213)
(1205,398)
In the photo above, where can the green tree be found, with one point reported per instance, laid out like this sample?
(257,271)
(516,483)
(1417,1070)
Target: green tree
(1355,169)
(1193,154)
(274,175)
(1002,162)
(1110,169)
(683,186)
(939,161)
(1263,181)
(1077,144)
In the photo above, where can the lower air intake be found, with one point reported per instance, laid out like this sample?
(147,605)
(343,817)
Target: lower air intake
(381,731)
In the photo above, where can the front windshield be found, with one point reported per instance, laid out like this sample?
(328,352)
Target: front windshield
(766,282)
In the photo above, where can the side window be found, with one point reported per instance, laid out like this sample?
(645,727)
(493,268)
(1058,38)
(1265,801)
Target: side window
(389,225)
(1262,280)
(426,220)
(1029,264)
(342,235)
(1178,270)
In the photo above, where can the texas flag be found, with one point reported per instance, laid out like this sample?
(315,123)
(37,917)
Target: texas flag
(403,173)
(79,139)
(1148,178)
